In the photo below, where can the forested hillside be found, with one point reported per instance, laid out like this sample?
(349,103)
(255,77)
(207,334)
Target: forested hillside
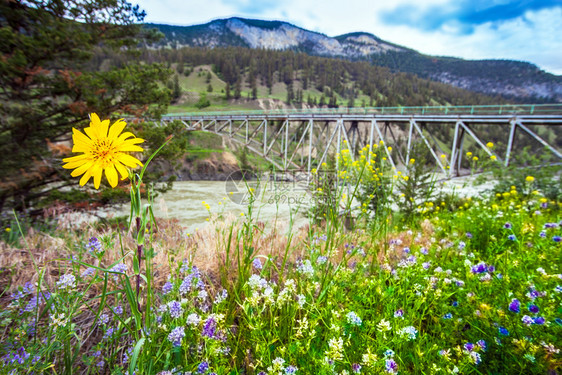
(298,78)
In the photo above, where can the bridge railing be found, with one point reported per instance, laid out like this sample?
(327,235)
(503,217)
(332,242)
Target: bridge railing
(506,109)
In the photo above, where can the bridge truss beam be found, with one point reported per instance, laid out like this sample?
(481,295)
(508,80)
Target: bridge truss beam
(306,141)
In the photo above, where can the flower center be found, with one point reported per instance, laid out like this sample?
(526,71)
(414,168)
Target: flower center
(103,152)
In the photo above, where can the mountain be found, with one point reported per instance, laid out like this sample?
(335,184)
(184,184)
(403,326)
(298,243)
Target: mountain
(517,80)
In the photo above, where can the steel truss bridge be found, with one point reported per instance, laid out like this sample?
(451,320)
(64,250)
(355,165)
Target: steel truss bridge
(303,139)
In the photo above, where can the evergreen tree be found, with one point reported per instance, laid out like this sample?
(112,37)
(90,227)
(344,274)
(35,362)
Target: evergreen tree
(238,89)
(50,84)
(227,91)
(176,89)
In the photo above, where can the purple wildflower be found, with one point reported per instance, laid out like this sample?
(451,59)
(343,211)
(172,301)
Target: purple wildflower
(526,319)
(119,268)
(534,309)
(356,368)
(257,264)
(88,272)
(108,333)
(399,313)
(539,320)
(515,305)
(391,366)
(448,316)
(289,370)
(167,288)
(94,246)
(203,367)
(209,327)
(424,251)
(507,226)
(479,268)
(482,344)
(176,336)
(469,346)
(542,234)
(175,309)
(511,237)
(66,281)
(557,239)
(468,235)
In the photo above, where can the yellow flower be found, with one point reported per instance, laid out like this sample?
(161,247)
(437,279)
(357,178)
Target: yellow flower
(489,145)
(529,179)
(475,158)
(412,161)
(469,154)
(443,156)
(104,149)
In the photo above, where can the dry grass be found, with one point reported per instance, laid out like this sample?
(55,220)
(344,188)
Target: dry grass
(206,249)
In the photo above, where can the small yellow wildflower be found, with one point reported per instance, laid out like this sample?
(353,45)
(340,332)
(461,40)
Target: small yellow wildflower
(8,230)
(468,154)
(104,149)
(489,145)
(412,161)
(475,158)
(493,157)
(443,156)
(529,179)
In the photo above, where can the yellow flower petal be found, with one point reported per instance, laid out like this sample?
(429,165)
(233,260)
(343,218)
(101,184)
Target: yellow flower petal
(91,132)
(111,175)
(130,148)
(102,129)
(122,170)
(97,173)
(82,169)
(129,161)
(124,136)
(116,129)
(85,177)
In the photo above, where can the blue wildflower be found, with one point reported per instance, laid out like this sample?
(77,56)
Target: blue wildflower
(534,309)
(515,305)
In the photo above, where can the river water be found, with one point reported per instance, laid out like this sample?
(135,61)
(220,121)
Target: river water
(283,201)
(188,199)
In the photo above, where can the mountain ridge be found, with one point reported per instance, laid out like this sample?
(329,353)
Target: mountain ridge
(519,80)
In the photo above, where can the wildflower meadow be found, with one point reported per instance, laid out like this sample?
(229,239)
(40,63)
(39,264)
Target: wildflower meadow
(391,275)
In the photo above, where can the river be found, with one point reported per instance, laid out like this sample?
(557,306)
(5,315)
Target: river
(275,200)
(188,199)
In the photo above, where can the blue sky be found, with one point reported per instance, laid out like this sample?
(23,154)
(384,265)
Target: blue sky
(526,30)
